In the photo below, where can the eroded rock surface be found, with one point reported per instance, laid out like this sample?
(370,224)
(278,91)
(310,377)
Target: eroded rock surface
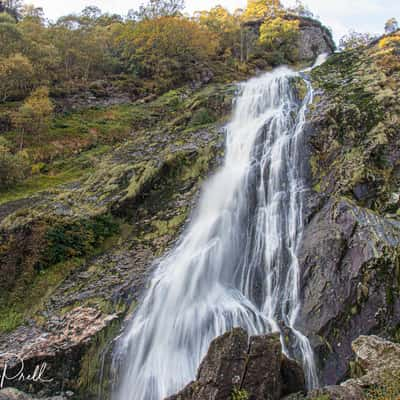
(254,367)
(350,251)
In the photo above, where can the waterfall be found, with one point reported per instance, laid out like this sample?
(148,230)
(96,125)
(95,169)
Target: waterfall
(236,263)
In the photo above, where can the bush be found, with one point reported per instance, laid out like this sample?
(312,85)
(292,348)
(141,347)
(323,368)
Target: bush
(76,239)
(13,167)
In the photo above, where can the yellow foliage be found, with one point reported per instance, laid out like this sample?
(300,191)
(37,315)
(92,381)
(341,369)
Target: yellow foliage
(169,47)
(35,114)
(262,8)
(277,30)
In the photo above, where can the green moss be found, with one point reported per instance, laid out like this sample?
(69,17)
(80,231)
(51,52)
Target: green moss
(94,367)
(239,394)
(30,295)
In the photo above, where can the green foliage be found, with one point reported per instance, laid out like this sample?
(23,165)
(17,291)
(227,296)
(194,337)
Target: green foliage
(170,49)
(76,239)
(202,117)
(278,37)
(13,167)
(16,73)
(34,115)
(30,293)
(239,394)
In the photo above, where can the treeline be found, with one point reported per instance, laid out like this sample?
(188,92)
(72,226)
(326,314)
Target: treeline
(156,43)
(149,51)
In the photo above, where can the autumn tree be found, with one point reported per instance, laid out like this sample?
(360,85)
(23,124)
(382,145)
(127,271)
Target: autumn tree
(10,37)
(168,49)
(158,8)
(11,7)
(278,36)
(226,27)
(354,40)
(34,115)
(13,167)
(262,9)
(16,73)
(301,10)
(391,26)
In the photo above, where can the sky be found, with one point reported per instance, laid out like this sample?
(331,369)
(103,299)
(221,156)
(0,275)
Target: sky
(340,15)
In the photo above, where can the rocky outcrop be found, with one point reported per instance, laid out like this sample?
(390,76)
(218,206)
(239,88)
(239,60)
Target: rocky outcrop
(14,394)
(239,367)
(313,39)
(349,256)
(377,364)
(75,260)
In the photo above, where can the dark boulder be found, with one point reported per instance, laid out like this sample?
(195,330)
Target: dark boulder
(239,366)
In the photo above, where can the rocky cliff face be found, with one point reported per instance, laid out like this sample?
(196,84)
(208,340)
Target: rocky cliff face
(313,39)
(350,254)
(74,260)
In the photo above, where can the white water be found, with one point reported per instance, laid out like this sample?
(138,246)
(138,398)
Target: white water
(236,263)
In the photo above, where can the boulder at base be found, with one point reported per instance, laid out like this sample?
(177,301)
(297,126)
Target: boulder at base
(239,367)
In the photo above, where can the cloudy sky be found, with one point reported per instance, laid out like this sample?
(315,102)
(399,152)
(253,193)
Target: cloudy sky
(340,15)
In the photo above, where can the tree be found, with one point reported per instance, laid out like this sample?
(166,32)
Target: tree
(167,49)
(278,37)
(158,8)
(391,26)
(263,9)
(34,116)
(354,40)
(12,7)
(226,27)
(10,37)
(16,73)
(32,12)
(13,167)
(301,10)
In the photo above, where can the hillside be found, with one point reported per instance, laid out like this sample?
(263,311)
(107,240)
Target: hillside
(110,182)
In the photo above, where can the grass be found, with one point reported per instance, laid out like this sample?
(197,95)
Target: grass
(56,174)
(33,288)
(25,302)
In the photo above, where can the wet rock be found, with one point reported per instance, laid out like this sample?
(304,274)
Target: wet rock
(337,393)
(14,394)
(253,367)
(379,362)
(349,257)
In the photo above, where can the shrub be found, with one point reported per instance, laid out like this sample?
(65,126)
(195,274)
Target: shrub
(76,239)
(13,167)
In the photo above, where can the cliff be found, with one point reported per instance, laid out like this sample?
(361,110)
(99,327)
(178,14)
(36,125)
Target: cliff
(75,259)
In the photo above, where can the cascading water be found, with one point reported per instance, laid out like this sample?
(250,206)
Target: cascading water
(236,263)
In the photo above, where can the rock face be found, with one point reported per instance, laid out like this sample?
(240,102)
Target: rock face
(74,261)
(378,366)
(350,250)
(313,39)
(239,367)
(13,394)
